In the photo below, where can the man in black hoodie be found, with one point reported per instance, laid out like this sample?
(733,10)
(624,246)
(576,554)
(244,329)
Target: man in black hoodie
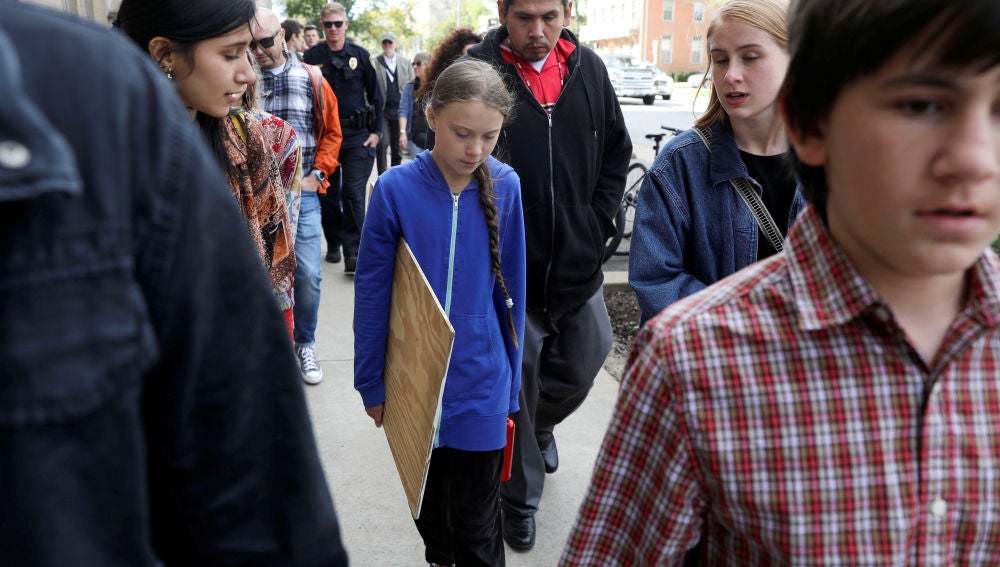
(569,145)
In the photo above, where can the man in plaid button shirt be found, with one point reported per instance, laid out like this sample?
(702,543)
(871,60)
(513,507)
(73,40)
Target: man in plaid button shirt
(838,403)
(288,90)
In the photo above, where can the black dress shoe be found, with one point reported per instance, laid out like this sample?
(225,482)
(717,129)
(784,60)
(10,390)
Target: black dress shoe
(350,263)
(547,445)
(333,257)
(519,531)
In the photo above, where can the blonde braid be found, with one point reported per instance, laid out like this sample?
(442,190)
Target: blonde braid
(486,197)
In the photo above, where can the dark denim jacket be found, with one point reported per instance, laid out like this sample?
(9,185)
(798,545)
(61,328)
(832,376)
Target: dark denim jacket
(150,407)
(691,227)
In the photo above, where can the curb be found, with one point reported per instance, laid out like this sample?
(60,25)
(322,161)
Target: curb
(616,280)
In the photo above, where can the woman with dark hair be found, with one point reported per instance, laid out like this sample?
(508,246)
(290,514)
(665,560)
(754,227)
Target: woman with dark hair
(454,46)
(202,47)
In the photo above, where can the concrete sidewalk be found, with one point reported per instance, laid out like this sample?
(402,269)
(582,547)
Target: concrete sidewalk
(375,521)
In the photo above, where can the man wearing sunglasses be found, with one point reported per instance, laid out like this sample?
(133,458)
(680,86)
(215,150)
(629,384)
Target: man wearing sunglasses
(298,94)
(348,69)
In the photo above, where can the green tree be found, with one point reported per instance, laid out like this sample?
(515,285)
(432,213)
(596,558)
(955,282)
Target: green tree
(379,18)
(308,10)
(465,14)
(368,26)
(578,17)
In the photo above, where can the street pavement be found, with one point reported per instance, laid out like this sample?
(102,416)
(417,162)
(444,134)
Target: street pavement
(375,521)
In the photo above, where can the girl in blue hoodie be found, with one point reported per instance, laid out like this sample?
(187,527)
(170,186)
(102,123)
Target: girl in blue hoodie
(460,211)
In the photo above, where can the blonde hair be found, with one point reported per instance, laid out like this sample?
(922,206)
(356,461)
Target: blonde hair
(333,8)
(470,80)
(766,15)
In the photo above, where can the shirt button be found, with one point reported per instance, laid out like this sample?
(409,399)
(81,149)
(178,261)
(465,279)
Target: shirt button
(14,155)
(939,507)
(882,314)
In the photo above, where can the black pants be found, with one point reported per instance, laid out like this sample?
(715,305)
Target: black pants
(390,138)
(330,214)
(460,517)
(562,356)
(343,210)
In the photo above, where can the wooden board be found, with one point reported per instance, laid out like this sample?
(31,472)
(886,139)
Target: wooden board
(418,351)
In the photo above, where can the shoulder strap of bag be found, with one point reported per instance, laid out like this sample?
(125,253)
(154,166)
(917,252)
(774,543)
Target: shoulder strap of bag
(753,201)
(317,84)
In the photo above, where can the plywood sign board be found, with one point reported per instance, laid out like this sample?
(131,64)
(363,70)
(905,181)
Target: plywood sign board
(416,362)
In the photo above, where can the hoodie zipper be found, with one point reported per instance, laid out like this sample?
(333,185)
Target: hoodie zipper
(552,220)
(447,300)
(451,254)
(552,185)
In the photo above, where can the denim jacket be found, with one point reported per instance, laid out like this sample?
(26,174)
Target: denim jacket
(151,411)
(691,227)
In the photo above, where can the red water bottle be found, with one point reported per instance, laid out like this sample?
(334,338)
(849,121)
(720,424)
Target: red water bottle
(508,452)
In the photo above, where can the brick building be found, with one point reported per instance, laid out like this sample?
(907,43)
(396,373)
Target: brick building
(669,33)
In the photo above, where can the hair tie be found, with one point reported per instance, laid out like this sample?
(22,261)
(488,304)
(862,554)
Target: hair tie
(510,303)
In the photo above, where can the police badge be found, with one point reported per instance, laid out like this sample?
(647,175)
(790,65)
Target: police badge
(352,63)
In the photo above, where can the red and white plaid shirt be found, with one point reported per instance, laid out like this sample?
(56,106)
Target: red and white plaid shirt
(782,417)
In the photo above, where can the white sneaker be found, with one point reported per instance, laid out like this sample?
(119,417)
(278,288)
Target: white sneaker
(312,372)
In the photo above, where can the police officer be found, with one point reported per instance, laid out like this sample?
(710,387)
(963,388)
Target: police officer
(348,69)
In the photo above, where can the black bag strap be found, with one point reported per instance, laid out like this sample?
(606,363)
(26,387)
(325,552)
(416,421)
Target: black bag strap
(753,201)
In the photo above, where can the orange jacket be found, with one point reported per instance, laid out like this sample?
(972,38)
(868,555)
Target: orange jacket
(326,129)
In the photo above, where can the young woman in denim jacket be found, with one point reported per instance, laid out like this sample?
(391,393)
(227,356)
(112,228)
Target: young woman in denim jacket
(691,227)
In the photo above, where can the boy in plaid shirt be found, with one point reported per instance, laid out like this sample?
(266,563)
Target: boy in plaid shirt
(838,403)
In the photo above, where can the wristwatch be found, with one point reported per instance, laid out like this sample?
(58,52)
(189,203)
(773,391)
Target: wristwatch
(319,175)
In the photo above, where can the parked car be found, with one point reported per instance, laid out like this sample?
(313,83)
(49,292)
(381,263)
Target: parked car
(696,80)
(629,78)
(664,82)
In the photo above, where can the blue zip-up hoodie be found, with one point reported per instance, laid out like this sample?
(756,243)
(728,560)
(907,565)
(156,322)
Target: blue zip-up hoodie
(450,240)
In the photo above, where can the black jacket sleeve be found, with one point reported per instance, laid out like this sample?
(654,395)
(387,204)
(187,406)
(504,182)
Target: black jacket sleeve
(372,91)
(617,152)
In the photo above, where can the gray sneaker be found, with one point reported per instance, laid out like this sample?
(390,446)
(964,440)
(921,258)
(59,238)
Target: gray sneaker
(312,372)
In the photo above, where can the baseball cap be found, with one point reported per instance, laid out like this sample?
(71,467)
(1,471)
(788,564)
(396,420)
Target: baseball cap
(388,36)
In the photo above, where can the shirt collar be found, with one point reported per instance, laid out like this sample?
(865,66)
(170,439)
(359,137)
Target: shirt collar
(724,163)
(828,290)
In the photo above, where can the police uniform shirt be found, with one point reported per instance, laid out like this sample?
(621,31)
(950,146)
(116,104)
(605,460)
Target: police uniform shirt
(352,77)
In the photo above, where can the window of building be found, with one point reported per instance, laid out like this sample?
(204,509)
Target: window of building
(696,49)
(699,11)
(668,10)
(666,47)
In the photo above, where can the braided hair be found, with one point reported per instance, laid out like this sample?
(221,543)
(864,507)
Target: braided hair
(475,80)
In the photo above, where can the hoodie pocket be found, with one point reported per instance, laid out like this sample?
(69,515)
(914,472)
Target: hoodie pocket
(474,367)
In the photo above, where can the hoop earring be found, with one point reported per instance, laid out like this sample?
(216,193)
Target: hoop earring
(169,71)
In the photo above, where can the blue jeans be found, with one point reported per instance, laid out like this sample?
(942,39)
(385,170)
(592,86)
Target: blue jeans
(308,254)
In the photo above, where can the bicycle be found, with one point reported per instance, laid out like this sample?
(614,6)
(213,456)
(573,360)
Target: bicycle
(625,217)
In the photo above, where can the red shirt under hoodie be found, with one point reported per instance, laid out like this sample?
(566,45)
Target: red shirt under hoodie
(547,83)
